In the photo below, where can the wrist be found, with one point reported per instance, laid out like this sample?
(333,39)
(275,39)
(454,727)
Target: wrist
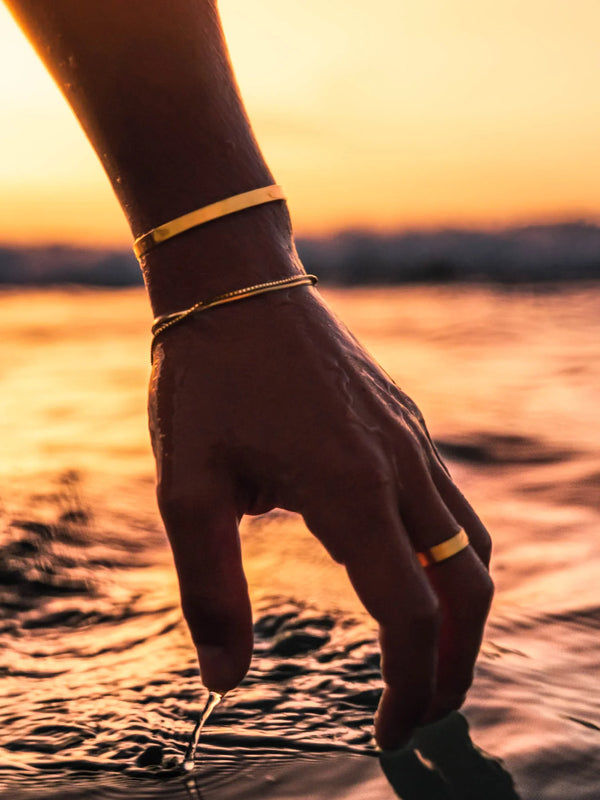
(252,246)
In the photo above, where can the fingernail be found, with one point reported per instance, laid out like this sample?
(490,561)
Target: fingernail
(216,668)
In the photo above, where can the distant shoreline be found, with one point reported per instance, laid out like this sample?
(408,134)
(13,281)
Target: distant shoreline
(568,251)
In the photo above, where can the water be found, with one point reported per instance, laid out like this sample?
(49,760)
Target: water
(99,682)
(189,760)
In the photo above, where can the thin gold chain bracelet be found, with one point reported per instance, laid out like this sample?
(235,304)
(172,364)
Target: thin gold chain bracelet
(166,321)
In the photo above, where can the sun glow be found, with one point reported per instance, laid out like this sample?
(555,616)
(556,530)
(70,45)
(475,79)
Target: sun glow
(374,115)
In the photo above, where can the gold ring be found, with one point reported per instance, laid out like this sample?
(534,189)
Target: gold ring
(444,550)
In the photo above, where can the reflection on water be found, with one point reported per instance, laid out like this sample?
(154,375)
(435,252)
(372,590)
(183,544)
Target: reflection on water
(99,681)
(441,763)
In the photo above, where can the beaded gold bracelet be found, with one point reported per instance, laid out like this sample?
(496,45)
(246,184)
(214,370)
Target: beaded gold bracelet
(166,321)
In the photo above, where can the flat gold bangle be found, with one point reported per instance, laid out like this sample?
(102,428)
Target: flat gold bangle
(229,205)
(446,549)
(167,320)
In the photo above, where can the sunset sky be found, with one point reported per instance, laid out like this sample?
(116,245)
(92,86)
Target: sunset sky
(387,114)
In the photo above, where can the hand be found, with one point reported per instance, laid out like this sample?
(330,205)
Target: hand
(270,402)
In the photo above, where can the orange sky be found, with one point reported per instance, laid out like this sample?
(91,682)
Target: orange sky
(385,114)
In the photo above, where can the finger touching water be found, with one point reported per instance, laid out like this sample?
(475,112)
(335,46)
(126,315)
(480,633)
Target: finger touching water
(214,594)
(235,432)
(465,590)
(392,586)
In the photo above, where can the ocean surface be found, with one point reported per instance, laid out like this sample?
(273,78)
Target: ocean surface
(98,681)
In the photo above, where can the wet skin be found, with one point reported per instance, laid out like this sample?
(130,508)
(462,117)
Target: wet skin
(271,402)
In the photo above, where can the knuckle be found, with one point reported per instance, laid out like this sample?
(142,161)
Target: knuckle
(203,606)
(484,548)
(472,607)
(207,602)
(366,474)
(412,461)
(205,620)
(489,591)
(481,592)
(410,444)
(175,506)
(425,617)
(184,505)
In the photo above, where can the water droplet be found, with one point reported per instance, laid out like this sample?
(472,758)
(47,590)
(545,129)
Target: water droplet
(214,698)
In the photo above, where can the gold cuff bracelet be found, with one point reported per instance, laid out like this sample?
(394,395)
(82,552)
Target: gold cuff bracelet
(239,202)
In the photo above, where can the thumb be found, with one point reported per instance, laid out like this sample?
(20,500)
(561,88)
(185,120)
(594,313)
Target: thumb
(204,538)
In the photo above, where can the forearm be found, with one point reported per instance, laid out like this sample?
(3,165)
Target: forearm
(152,86)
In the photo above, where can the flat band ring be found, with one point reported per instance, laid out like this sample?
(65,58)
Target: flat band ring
(444,550)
